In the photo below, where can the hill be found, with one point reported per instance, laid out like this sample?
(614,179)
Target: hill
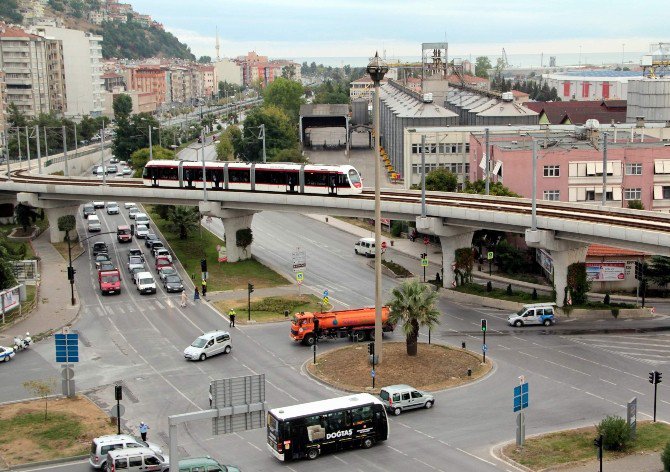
(130,40)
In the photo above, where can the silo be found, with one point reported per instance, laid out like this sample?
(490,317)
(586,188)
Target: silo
(649,98)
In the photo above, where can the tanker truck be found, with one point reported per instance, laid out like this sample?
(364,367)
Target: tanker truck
(357,325)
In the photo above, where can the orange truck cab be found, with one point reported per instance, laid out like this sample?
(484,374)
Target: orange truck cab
(110,281)
(358,325)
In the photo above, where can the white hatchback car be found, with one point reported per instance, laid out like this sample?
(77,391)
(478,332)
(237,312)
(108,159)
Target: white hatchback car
(141,231)
(209,344)
(129,205)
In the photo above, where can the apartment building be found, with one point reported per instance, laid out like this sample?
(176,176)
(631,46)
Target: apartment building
(82,58)
(23,59)
(228,71)
(3,109)
(363,88)
(56,77)
(207,78)
(149,79)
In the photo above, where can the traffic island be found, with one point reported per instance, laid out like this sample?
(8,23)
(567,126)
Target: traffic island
(269,309)
(435,367)
(574,449)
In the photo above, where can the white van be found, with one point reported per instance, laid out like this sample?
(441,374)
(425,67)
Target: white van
(142,219)
(93,223)
(533,314)
(145,282)
(136,459)
(365,246)
(208,345)
(101,445)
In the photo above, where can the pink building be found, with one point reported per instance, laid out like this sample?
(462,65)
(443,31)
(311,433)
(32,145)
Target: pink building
(570,166)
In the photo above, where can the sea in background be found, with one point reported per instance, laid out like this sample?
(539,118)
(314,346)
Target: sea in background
(631,58)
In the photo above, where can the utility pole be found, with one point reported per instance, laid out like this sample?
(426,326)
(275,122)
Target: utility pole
(151,149)
(39,150)
(28,146)
(204,169)
(533,225)
(67,170)
(486,155)
(102,155)
(604,200)
(46,143)
(261,135)
(5,139)
(423,181)
(76,144)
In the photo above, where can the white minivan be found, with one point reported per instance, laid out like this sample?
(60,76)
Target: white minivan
(93,223)
(208,345)
(534,314)
(365,246)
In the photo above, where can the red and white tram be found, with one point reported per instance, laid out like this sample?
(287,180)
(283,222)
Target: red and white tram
(255,177)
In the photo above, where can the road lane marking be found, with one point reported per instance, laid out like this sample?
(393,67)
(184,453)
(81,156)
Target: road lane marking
(566,367)
(635,391)
(396,450)
(594,395)
(607,381)
(476,457)
(424,463)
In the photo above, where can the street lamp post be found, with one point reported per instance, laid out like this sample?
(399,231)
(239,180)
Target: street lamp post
(151,149)
(377,69)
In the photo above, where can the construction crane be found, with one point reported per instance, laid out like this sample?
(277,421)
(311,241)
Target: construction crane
(501,65)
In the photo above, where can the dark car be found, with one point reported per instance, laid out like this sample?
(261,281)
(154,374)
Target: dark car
(155,246)
(135,252)
(166,271)
(100,248)
(173,283)
(106,265)
(150,239)
(100,258)
(135,270)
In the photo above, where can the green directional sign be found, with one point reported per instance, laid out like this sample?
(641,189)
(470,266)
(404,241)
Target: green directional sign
(424,262)
(489,256)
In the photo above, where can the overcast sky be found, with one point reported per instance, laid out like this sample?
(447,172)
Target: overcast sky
(355,28)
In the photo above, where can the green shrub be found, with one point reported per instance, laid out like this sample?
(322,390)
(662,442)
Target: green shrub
(606,301)
(665,458)
(534,294)
(396,229)
(509,290)
(489,286)
(616,433)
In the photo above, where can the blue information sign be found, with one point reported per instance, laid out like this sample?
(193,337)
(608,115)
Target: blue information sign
(325,293)
(521,396)
(67,347)
(485,348)
(372,373)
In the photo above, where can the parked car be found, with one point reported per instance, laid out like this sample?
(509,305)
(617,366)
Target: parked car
(133,212)
(173,283)
(166,271)
(398,398)
(101,445)
(141,231)
(208,344)
(6,353)
(112,208)
(100,247)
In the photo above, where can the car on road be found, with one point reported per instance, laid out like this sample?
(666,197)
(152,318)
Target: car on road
(88,210)
(100,247)
(136,270)
(112,208)
(135,252)
(142,219)
(135,262)
(98,170)
(93,223)
(399,398)
(145,282)
(113,169)
(119,173)
(113,160)
(141,231)
(106,266)
(162,262)
(127,171)
(132,213)
(209,344)
(156,245)
(198,464)
(533,314)
(129,205)
(97,205)
(159,250)
(6,353)
(173,283)
(166,271)
(100,258)
(150,239)
(101,445)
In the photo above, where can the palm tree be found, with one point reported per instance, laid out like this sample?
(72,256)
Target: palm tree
(183,219)
(413,306)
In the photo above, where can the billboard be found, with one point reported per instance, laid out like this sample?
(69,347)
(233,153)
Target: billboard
(9,299)
(605,271)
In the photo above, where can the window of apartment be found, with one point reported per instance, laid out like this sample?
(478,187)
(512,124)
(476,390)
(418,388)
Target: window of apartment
(666,193)
(590,195)
(551,171)
(552,195)
(634,169)
(632,194)
(467,147)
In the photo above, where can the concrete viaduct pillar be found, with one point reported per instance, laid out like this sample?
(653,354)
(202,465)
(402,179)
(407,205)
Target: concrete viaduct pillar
(53,209)
(233,220)
(451,238)
(563,253)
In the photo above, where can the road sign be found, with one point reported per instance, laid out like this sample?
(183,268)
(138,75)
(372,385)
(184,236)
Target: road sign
(484,348)
(383,244)
(426,240)
(372,373)
(299,277)
(325,300)
(117,411)
(424,262)
(325,293)
(521,396)
(299,259)
(67,347)
(489,255)
(241,403)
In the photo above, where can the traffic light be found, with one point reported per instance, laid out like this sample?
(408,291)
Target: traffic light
(371,349)
(250,287)
(638,270)
(118,392)
(655,377)
(598,442)
(658,377)
(484,325)
(203,265)
(70,273)
(424,255)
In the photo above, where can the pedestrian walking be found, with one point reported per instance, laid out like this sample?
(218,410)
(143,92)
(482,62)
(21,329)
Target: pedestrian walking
(196,294)
(143,430)
(204,288)
(231,316)
(183,299)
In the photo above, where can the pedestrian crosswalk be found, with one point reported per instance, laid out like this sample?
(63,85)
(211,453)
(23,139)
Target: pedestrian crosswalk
(124,307)
(652,348)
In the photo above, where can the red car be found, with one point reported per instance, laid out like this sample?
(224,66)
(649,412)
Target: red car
(162,261)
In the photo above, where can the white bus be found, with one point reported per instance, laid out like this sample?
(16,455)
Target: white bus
(310,429)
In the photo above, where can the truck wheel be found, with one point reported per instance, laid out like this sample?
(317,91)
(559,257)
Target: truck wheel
(359,336)
(312,454)
(518,323)
(547,322)
(309,340)
(371,335)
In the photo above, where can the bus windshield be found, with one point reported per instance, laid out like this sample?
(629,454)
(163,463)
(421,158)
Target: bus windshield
(273,425)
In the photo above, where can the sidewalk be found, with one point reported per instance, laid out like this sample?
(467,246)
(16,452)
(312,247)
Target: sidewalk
(53,309)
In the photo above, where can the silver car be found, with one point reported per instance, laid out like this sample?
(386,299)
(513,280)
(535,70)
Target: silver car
(398,398)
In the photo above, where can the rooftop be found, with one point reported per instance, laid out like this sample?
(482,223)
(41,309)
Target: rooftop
(598,250)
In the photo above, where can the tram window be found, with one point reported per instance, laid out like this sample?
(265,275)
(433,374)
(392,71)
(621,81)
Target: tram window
(315,179)
(342,180)
(270,177)
(239,175)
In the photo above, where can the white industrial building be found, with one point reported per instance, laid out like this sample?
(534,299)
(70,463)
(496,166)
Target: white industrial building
(591,84)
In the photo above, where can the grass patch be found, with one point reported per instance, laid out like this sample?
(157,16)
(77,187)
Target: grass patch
(77,249)
(517,296)
(577,445)
(222,275)
(396,268)
(601,306)
(269,309)
(25,436)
